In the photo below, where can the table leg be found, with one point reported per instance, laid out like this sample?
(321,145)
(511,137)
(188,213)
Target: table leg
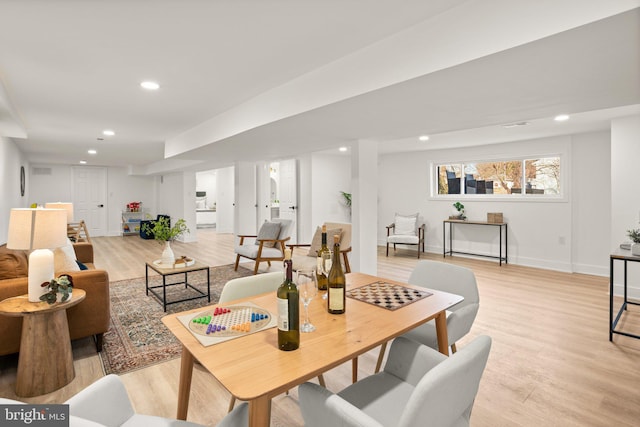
(146,277)
(441,332)
(46,358)
(208,285)
(610,298)
(354,370)
(260,412)
(184,386)
(444,245)
(164,292)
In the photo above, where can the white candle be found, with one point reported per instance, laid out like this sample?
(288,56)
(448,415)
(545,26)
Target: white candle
(40,270)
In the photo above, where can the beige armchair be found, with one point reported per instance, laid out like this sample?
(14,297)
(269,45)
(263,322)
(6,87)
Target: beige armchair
(406,230)
(268,246)
(306,259)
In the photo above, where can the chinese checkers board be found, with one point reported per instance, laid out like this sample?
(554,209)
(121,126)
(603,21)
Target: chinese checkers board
(387,295)
(219,324)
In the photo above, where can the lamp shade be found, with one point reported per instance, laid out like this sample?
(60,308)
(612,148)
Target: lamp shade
(67,206)
(37,229)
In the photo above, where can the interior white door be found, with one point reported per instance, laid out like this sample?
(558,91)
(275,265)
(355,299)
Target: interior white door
(288,194)
(89,198)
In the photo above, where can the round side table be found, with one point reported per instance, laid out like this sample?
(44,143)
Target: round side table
(45,363)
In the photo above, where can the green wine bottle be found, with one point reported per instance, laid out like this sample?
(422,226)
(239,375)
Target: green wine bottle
(288,309)
(320,269)
(336,297)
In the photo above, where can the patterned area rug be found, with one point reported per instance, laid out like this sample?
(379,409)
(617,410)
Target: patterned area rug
(137,337)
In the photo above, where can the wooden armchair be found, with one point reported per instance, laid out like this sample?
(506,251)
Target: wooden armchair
(303,260)
(268,246)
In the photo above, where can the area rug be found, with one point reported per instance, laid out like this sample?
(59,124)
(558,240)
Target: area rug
(137,337)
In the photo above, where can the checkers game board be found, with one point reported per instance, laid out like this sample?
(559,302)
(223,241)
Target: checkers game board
(387,295)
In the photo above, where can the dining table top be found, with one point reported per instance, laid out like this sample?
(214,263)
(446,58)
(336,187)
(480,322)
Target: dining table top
(252,366)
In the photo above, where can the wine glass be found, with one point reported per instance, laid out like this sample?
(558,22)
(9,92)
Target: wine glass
(307,283)
(324,266)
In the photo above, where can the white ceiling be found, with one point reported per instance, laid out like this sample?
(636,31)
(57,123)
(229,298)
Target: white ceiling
(69,69)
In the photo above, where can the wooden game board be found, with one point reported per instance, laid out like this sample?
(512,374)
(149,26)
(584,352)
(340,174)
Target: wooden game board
(222,323)
(387,295)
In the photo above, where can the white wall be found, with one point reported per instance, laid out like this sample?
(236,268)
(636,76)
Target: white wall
(541,234)
(625,197)
(331,173)
(11,159)
(226,199)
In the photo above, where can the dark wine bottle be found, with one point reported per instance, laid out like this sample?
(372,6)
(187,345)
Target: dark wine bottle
(320,271)
(288,309)
(336,297)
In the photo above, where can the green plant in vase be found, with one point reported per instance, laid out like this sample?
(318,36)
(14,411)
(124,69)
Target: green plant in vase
(459,210)
(63,285)
(634,235)
(162,232)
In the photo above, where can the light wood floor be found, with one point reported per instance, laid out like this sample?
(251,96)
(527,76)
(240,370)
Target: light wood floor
(551,363)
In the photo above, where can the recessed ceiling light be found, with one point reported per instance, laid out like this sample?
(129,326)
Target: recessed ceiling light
(83,162)
(423,137)
(515,125)
(108,132)
(150,85)
(92,152)
(561,118)
(343,149)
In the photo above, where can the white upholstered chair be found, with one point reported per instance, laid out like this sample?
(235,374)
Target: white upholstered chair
(406,230)
(418,387)
(106,403)
(448,278)
(267,245)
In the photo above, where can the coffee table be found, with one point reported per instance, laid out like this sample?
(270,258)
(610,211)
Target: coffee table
(170,271)
(45,363)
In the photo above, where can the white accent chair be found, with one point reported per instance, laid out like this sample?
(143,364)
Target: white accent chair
(406,230)
(418,387)
(105,403)
(447,278)
(261,250)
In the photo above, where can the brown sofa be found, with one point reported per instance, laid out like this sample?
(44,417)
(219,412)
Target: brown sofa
(89,317)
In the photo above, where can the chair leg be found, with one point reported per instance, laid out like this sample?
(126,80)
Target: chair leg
(321,381)
(232,403)
(354,369)
(383,349)
(99,340)
(387,248)
(453,348)
(237,262)
(255,269)
(418,250)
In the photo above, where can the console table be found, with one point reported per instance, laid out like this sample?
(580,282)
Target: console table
(45,362)
(625,256)
(452,222)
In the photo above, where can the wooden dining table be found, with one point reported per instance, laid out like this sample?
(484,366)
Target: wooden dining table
(253,369)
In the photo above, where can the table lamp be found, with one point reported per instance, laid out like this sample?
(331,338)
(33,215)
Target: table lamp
(38,230)
(67,206)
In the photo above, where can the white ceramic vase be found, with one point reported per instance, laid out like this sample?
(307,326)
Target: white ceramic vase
(635,249)
(168,258)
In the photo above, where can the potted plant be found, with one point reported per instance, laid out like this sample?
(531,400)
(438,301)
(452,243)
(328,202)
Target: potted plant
(58,289)
(459,211)
(162,232)
(634,235)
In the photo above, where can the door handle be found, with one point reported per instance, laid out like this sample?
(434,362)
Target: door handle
(101,206)
(292,207)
